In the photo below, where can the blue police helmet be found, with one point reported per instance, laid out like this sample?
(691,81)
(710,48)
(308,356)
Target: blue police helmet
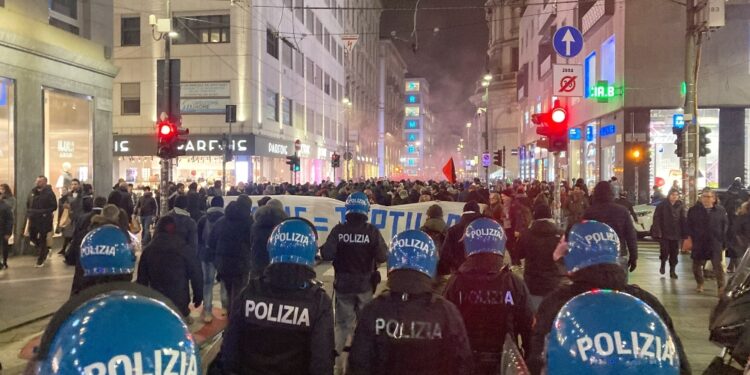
(293,241)
(413,250)
(484,235)
(357,203)
(591,243)
(105,251)
(124,331)
(583,341)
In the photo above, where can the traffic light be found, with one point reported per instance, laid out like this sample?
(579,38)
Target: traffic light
(335,160)
(171,138)
(499,158)
(637,153)
(703,141)
(679,145)
(293,162)
(554,126)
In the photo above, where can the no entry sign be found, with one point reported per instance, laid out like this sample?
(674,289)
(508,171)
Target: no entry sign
(567,80)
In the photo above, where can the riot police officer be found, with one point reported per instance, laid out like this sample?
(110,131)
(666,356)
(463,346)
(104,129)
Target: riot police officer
(584,340)
(282,322)
(408,329)
(106,256)
(116,328)
(492,300)
(591,259)
(356,248)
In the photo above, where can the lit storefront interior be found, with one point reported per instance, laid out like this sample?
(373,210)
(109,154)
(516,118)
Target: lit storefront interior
(68,121)
(7,148)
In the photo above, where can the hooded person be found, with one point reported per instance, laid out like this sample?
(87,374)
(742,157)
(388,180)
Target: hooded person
(452,253)
(260,339)
(591,257)
(492,300)
(207,258)
(186,227)
(167,268)
(437,342)
(356,248)
(231,242)
(604,209)
(266,218)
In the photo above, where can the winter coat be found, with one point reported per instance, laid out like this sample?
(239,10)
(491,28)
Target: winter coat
(628,206)
(166,267)
(205,226)
(575,206)
(266,218)
(452,255)
(186,229)
(741,239)
(707,229)
(435,227)
(194,205)
(536,244)
(6,220)
(600,276)
(41,204)
(146,205)
(669,221)
(231,241)
(121,198)
(74,212)
(617,217)
(520,214)
(495,212)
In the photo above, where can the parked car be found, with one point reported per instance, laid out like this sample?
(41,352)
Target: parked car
(645,213)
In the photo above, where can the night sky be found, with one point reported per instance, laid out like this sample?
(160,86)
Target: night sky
(451,60)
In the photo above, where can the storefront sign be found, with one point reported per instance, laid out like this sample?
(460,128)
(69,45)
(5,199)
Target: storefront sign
(608,130)
(204,89)
(590,133)
(213,146)
(602,91)
(66,149)
(574,134)
(204,106)
(322,153)
(197,145)
(272,147)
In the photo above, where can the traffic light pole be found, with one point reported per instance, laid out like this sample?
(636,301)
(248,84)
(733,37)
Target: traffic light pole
(166,165)
(487,131)
(690,134)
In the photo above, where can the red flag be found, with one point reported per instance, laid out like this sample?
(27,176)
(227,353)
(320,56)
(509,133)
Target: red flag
(449,170)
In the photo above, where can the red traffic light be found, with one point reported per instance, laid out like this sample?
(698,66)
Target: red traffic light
(559,115)
(165,129)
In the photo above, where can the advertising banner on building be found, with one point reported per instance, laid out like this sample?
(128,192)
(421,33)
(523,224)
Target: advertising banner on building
(325,213)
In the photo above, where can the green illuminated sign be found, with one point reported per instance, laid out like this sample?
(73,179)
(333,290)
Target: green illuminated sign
(603,91)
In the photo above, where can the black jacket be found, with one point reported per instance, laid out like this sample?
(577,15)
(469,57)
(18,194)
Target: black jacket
(41,204)
(231,241)
(708,230)
(536,245)
(601,276)
(166,267)
(121,198)
(266,218)
(493,302)
(740,240)
(146,205)
(283,325)
(6,219)
(452,253)
(210,219)
(410,330)
(619,219)
(194,205)
(628,206)
(187,230)
(669,221)
(356,247)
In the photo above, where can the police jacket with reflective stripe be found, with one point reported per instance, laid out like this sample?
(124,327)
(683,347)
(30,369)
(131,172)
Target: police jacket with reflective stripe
(279,331)
(399,333)
(493,302)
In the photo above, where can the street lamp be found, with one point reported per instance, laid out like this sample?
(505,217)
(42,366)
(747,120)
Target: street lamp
(486,84)
(468,125)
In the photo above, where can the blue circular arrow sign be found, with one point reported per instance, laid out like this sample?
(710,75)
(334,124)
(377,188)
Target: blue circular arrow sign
(568,41)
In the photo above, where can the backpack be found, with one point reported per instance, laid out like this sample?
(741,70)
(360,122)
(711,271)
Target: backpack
(208,225)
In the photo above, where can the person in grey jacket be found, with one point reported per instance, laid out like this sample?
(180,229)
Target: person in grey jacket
(707,225)
(186,227)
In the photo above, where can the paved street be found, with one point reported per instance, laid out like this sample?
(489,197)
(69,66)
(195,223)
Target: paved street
(29,295)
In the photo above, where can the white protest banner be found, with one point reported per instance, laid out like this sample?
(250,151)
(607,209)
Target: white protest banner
(325,213)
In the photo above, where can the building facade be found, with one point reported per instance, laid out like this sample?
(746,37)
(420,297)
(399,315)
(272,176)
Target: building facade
(390,109)
(417,128)
(283,67)
(55,95)
(632,93)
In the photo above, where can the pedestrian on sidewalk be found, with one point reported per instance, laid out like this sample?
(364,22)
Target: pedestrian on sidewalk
(145,210)
(668,227)
(741,239)
(166,267)
(208,257)
(72,202)
(706,229)
(186,227)
(40,206)
(6,230)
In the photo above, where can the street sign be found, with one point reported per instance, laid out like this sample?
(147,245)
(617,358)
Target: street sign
(347,156)
(349,41)
(678,121)
(568,41)
(567,80)
(230,114)
(486,160)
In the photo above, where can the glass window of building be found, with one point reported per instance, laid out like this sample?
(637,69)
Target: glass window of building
(319,124)
(201,29)
(286,111)
(272,43)
(272,105)
(341,55)
(318,77)
(591,155)
(68,121)
(7,144)
(130,31)
(299,10)
(310,71)
(608,60)
(288,4)
(287,51)
(589,74)
(130,94)
(299,116)
(334,93)
(299,63)
(310,121)
(318,30)
(65,15)
(327,84)
(326,40)
(310,20)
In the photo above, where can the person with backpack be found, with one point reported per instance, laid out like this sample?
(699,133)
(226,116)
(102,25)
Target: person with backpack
(205,225)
